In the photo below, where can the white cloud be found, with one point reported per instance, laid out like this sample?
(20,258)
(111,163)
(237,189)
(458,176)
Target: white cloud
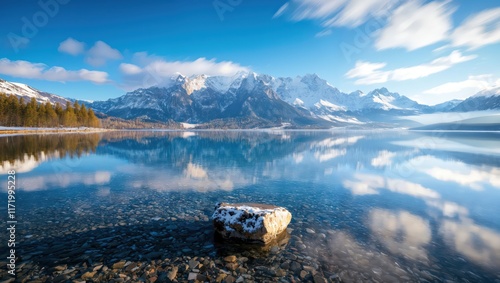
(337,13)
(72,47)
(100,53)
(130,69)
(280,11)
(465,88)
(153,70)
(414,25)
(28,70)
(357,12)
(370,73)
(324,33)
(478,30)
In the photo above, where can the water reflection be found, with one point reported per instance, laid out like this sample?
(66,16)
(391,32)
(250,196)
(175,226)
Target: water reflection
(381,205)
(25,152)
(474,177)
(64,180)
(401,232)
(367,184)
(479,244)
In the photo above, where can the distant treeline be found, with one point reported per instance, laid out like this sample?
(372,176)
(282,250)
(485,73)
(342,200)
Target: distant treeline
(15,112)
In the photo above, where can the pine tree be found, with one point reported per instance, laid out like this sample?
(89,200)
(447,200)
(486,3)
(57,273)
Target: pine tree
(42,115)
(50,115)
(69,116)
(93,120)
(60,112)
(31,116)
(3,109)
(83,116)
(13,111)
(76,109)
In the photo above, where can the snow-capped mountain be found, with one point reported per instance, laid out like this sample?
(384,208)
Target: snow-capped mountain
(383,99)
(200,99)
(309,90)
(313,93)
(248,99)
(446,106)
(27,92)
(483,100)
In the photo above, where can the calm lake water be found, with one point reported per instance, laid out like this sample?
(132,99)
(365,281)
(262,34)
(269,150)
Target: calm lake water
(385,206)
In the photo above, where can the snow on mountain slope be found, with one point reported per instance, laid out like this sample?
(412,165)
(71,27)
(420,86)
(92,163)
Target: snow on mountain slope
(310,89)
(28,92)
(446,106)
(329,105)
(384,99)
(483,100)
(488,92)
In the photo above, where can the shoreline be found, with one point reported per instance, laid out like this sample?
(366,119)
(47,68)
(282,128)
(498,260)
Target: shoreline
(9,131)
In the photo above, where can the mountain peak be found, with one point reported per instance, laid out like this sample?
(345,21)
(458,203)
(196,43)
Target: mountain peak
(493,91)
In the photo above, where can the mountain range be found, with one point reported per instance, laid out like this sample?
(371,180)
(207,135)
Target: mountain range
(250,100)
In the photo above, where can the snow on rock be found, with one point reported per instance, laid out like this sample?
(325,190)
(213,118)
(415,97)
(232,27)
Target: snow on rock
(250,222)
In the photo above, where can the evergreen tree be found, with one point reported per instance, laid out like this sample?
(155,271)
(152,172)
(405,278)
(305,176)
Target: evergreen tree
(31,116)
(60,113)
(83,116)
(13,111)
(42,115)
(93,120)
(50,115)
(3,109)
(69,116)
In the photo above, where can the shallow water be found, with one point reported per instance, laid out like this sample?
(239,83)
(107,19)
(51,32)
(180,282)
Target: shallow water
(385,206)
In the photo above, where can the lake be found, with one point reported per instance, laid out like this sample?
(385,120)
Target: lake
(383,206)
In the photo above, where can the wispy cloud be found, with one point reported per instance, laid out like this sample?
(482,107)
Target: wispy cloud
(324,33)
(72,47)
(28,70)
(478,30)
(370,73)
(471,85)
(281,10)
(336,13)
(414,25)
(154,70)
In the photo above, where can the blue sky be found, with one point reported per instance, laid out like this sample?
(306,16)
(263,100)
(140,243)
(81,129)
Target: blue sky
(430,51)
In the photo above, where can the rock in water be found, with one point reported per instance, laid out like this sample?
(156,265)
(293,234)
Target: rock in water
(250,222)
